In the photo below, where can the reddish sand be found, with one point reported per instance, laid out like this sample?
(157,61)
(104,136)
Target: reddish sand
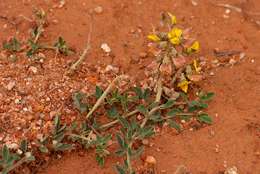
(235,109)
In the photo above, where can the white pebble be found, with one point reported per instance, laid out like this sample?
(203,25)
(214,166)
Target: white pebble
(10,85)
(98,9)
(105,48)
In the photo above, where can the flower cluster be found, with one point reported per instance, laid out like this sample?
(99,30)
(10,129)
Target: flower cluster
(176,41)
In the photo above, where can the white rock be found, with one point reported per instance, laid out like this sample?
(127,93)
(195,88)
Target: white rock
(98,9)
(13,146)
(227,11)
(33,69)
(105,48)
(110,68)
(231,170)
(242,55)
(10,85)
(232,61)
(194,3)
(19,152)
(150,160)
(212,73)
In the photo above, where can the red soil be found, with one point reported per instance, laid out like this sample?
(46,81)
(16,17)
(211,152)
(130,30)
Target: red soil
(236,129)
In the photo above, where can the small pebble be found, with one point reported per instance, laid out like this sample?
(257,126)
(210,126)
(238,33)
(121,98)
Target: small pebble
(150,160)
(231,170)
(33,69)
(10,85)
(105,48)
(145,142)
(212,73)
(194,3)
(225,16)
(242,55)
(232,61)
(98,9)
(227,11)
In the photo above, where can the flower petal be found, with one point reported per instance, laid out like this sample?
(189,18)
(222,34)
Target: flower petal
(173,18)
(184,85)
(194,47)
(153,37)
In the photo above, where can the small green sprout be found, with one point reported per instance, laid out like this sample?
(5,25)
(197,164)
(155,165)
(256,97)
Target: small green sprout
(62,46)
(13,45)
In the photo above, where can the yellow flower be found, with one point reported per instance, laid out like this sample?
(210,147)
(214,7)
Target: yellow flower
(175,36)
(184,85)
(153,37)
(175,41)
(196,66)
(173,18)
(194,47)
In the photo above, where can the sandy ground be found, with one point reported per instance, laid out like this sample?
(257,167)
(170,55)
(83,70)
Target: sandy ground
(233,139)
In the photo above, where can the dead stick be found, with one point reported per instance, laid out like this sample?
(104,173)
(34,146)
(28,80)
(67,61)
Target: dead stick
(103,96)
(75,65)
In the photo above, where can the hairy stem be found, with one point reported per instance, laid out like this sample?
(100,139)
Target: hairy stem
(81,59)
(108,125)
(103,96)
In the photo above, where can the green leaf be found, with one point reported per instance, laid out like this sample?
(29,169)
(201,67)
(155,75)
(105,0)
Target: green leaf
(138,91)
(5,153)
(196,105)
(61,46)
(124,122)
(168,104)
(120,170)
(112,113)
(121,142)
(156,117)
(99,92)
(62,147)
(13,45)
(43,149)
(145,132)
(173,112)
(207,97)
(77,102)
(174,125)
(23,145)
(57,122)
(146,94)
(185,117)
(142,109)
(100,160)
(205,118)
(33,48)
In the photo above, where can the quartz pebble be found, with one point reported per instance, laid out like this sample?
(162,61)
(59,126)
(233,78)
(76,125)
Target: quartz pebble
(98,9)
(105,48)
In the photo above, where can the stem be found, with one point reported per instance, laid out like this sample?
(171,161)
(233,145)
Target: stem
(176,75)
(20,162)
(128,159)
(108,125)
(74,66)
(103,96)
(40,30)
(159,90)
(180,114)
(79,136)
